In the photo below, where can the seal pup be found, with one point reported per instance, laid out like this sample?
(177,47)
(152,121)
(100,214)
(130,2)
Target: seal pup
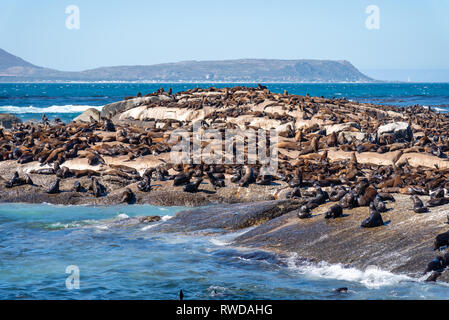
(336,211)
(192,187)
(418,205)
(54,187)
(375,218)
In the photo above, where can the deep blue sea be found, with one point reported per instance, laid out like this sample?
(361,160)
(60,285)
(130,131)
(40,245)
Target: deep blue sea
(119,258)
(65,101)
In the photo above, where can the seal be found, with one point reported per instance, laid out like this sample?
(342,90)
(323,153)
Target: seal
(304,212)
(54,187)
(97,188)
(248,178)
(128,196)
(77,186)
(336,211)
(379,204)
(294,193)
(418,205)
(368,197)
(193,186)
(337,193)
(441,240)
(375,218)
(145,184)
(433,277)
(437,202)
(348,201)
(434,265)
(216,183)
(182,178)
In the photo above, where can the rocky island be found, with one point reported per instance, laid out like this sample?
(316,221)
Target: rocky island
(356,183)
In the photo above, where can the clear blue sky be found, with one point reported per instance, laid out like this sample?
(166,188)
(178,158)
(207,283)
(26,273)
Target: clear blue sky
(412,34)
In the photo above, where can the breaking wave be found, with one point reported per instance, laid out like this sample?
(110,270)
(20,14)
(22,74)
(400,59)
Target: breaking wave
(372,277)
(70,108)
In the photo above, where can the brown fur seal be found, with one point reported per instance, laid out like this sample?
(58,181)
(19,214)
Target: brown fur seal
(54,187)
(193,186)
(145,184)
(418,205)
(379,204)
(304,212)
(375,218)
(248,178)
(437,202)
(348,201)
(368,197)
(336,211)
(441,240)
(97,188)
(127,196)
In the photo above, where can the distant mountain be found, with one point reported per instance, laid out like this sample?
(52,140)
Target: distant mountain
(14,69)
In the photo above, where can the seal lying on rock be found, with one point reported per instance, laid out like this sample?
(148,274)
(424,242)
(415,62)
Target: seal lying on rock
(304,212)
(17,181)
(418,205)
(336,211)
(437,202)
(375,218)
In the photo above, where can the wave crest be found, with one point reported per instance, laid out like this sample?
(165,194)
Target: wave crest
(70,108)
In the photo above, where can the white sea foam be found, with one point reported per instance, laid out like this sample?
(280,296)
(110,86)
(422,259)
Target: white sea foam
(372,277)
(122,216)
(219,242)
(70,108)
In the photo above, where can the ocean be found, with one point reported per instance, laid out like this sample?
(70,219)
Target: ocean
(118,258)
(66,101)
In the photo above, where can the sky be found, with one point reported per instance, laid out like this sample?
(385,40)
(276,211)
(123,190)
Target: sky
(411,34)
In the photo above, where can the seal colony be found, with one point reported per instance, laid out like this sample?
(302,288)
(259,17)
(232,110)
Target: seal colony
(336,154)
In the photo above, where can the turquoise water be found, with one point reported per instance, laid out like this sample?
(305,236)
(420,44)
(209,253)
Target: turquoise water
(66,101)
(119,258)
